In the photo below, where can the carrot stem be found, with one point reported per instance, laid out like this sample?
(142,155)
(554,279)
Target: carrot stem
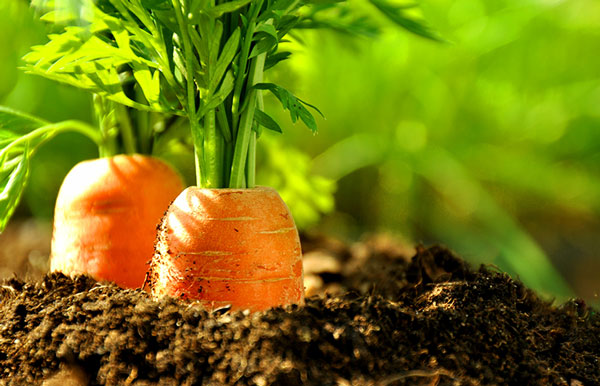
(245,52)
(243,140)
(251,162)
(191,94)
(126,129)
(213,152)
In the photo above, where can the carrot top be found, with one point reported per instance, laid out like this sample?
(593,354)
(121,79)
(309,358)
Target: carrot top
(153,64)
(201,59)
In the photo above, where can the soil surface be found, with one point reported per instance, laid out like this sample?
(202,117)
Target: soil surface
(378,315)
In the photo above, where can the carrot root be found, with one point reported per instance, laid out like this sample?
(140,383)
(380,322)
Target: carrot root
(106,215)
(236,247)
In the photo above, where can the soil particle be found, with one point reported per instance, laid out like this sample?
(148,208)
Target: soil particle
(383,319)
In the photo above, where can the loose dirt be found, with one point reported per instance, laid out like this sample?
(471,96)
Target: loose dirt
(376,317)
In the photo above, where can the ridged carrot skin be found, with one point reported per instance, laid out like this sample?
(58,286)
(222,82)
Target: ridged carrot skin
(106,216)
(237,247)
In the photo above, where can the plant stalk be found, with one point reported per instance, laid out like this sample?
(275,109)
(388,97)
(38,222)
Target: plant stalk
(126,129)
(245,52)
(191,94)
(213,152)
(243,138)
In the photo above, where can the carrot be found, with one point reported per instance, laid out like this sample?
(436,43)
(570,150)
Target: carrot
(106,215)
(235,247)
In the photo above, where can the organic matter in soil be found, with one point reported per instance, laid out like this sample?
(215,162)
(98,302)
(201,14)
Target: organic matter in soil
(385,319)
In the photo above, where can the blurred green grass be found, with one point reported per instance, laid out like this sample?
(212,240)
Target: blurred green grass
(489,143)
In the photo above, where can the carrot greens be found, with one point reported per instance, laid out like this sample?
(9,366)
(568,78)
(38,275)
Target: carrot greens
(151,64)
(201,59)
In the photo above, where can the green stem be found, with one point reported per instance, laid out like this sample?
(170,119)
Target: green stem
(213,152)
(198,139)
(225,129)
(126,129)
(223,122)
(104,110)
(243,138)
(245,52)
(53,129)
(144,128)
(251,162)
(191,94)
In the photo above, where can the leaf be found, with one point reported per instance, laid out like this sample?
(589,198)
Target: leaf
(157,4)
(266,121)
(92,59)
(227,54)
(149,83)
(229,6)
(275,58)
(201,10)
(267,29)
(294,105)
(215,42)
(14,162)
(220,96)
(263,45)
(13,185)
(14,124)
(398,15)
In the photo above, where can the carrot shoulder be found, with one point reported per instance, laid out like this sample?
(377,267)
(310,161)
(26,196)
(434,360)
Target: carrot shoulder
(106,215)
(229,246)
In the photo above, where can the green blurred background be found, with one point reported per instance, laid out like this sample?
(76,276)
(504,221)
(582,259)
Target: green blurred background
(489,143)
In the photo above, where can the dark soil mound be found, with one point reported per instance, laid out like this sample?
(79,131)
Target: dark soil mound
(429,320)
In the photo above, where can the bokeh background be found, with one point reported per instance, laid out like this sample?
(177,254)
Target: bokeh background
(488,143)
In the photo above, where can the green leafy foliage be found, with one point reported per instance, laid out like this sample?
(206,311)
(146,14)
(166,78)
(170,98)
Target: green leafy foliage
(12,183)
(294,105)
(15,124)
(96,57)
(266,121)
(14,160)
(191,58)
(400,14)
(20,136)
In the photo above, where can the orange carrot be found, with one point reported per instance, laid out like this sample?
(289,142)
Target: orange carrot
(236,247)
(106,215)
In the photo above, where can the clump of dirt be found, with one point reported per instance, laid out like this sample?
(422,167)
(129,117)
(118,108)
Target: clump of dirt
(425,320)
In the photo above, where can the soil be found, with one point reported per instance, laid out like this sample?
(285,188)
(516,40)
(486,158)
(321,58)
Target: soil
(378,314)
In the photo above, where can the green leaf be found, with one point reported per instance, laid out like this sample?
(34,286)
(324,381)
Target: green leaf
(201,10)
(91,59)
(214,43)
(149,83)
(398,15)
(157,4)
(294,105)
(220,96)
(266,121)
(14,124)
(12,184)
(229,6)
(227,54)
(268,29)
(14,162)
(275,58)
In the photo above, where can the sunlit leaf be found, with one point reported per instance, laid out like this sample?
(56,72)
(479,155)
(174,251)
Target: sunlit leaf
(294,105)
(266,121)
(12,185)
(15,124)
